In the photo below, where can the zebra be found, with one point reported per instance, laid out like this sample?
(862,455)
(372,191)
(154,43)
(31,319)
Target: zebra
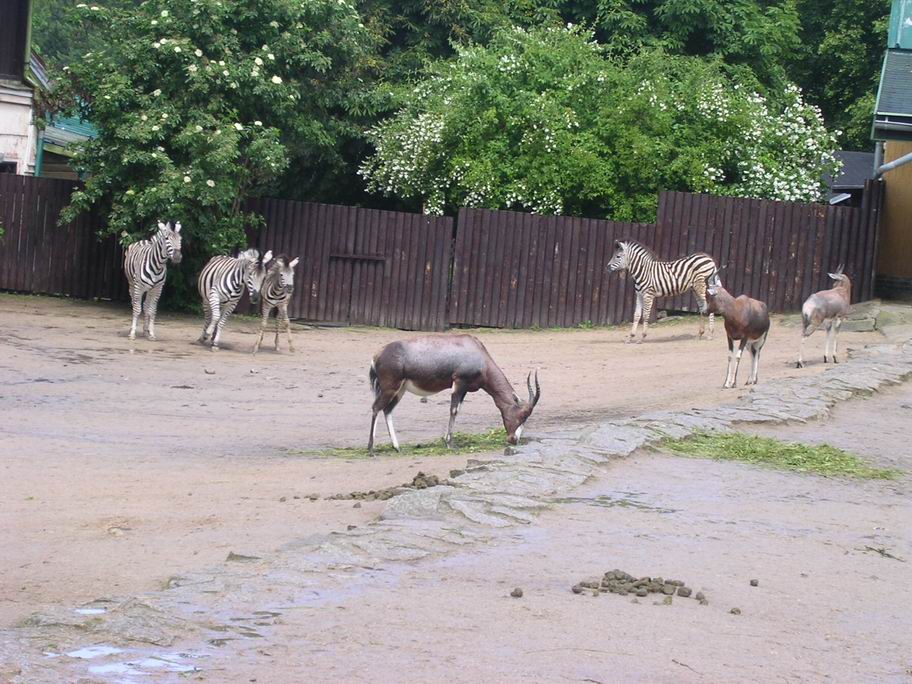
(275,294)
(221,284)
(653,278)
(145,265)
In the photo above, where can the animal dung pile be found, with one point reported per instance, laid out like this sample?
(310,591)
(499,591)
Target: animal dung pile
(420,481)
(623,583)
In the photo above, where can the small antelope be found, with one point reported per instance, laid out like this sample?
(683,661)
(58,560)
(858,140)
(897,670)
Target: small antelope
(746,320)
(275,293)
(431,364)
(828,307)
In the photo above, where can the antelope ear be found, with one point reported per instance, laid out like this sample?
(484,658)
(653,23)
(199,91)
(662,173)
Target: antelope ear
(177,227)
(835,276)
(294,262)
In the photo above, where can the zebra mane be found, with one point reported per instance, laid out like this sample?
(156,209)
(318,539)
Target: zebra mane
(641,247)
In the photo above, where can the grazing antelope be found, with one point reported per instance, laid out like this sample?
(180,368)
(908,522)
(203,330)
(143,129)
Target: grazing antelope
(278,286)
(146,264)
(221,284)
(431,364)
(746,320)
(653,278)
(828,307)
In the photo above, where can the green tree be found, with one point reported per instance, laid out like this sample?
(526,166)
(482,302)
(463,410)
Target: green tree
(201,104)
(546,121)
(839,62)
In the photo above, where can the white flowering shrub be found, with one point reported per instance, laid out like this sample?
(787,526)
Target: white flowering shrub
(201,104)
(546,121)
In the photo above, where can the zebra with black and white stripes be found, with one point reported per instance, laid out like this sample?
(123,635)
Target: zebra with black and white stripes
(653,278)
(145,265)
(221,284)
(275,294)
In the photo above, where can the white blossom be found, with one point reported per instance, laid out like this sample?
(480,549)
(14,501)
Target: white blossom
(210,183)
(276,79)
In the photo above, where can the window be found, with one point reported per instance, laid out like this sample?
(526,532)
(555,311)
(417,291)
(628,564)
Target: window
(8,167)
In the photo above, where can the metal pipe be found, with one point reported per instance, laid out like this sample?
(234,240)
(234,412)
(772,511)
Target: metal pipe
(878,155)
(905,159)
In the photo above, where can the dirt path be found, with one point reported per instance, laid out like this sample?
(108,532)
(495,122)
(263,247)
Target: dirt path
(124,464)
(827,605)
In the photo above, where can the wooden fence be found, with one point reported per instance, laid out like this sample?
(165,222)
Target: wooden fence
(362,265)
(37,255)
(493,268)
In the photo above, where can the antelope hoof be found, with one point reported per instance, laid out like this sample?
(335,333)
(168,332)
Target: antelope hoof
(728,386)
(799,364)
(640,341)
(290,349)
(834,360)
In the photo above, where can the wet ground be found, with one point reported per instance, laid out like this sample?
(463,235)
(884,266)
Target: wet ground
(830,556)
(127,463)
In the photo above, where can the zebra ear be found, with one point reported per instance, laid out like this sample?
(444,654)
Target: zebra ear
(267,257)
(177,227)
(162,226)
(294,262)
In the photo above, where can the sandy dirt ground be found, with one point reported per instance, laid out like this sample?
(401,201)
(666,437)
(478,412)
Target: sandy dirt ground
(123,464)
(827,606)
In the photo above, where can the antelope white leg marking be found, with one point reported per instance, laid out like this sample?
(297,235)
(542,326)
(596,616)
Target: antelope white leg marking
(392,430)
(519,432)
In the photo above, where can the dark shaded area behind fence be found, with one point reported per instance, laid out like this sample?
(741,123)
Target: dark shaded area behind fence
(494,268)
(37,255)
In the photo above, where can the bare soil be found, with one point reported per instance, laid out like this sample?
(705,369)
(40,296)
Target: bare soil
(125,463)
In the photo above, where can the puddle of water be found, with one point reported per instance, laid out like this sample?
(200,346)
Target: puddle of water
(606,501)
(114,669)
(90,652)
(90,611)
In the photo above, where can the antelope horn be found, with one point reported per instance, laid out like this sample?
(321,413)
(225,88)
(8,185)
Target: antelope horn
(839,270)
(533,397)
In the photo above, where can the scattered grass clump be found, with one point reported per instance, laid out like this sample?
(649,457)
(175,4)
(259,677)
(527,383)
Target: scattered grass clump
(820,459)
(493,440)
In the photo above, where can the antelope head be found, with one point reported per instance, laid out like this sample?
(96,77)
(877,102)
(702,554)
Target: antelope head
(516,415)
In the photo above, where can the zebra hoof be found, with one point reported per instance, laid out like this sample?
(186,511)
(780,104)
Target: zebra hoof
(214,348)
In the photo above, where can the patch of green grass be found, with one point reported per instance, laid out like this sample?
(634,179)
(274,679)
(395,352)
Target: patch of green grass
(806,458)
(493,440)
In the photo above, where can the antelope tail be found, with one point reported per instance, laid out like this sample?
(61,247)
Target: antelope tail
(374,381)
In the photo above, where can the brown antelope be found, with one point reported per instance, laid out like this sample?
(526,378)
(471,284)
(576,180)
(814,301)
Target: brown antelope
(746,320)
(428,365)
(828,307)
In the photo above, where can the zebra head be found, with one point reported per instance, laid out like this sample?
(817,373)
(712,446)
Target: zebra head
(619,262)
(256,272)
(171,239)
(284,270)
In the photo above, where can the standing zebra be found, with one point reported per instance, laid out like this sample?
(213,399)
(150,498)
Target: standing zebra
(145,264)
(653,278)
(221,284)
(275,294)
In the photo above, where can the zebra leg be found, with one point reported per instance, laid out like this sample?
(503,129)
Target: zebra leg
(226,313)
(152,307)
(636,315)
(648,300)
(213,318)
(263,324)
(699,290)
(284,311)
(207,319)
(136,295)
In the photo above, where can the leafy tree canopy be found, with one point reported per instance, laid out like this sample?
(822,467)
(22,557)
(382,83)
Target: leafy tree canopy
(545,120)
(202,103)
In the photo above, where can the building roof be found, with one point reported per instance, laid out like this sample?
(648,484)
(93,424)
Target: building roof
(893,112)
(857,167)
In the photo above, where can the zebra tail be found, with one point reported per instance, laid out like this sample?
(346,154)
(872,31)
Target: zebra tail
(374,381)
